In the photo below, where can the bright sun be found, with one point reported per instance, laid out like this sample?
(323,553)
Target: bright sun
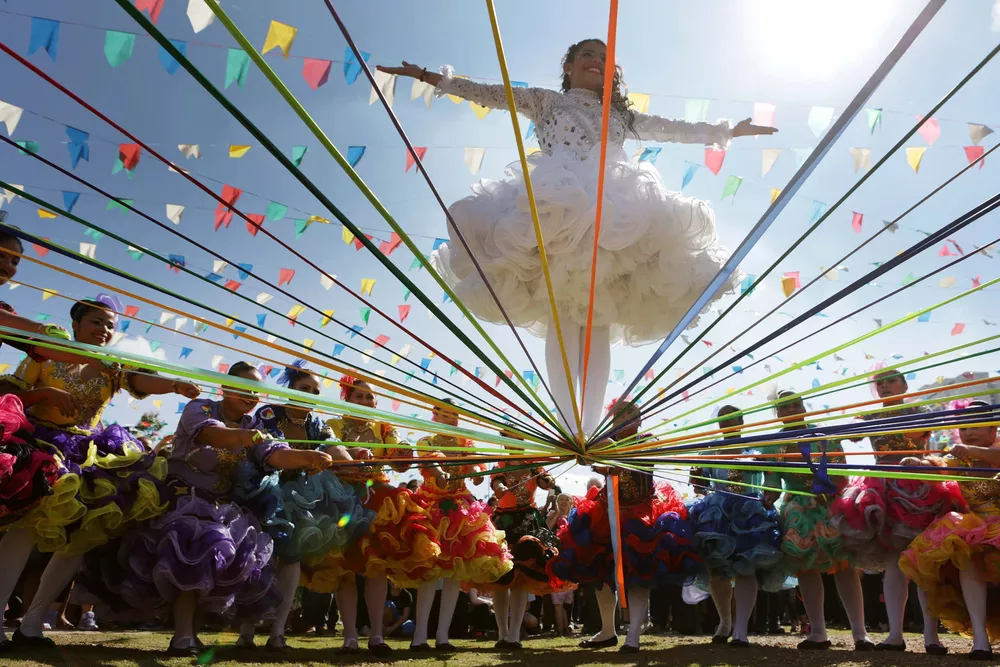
(816,40)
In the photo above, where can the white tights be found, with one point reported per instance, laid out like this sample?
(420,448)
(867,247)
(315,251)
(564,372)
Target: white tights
(450,589)
(288,583)
(746,597)
(974,593)
(376,588)
(598,372)
(57,575)
(896,588)
(15,549)
(849,588)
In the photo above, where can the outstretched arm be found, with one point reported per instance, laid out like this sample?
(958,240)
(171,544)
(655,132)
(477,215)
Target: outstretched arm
(657,128)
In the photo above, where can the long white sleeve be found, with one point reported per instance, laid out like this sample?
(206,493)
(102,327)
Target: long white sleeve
(657,128)
(530,102)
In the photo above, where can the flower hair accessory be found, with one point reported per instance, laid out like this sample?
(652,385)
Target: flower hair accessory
(292,370)
(113,303)
(347,383)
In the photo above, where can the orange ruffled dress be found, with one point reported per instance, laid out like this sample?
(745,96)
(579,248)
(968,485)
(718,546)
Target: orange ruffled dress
(472,549)
(957,541)
(402,542)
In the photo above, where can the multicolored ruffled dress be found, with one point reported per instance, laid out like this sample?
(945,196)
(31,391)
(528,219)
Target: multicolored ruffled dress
(472,549)
(879,517)
(957,541)
(531,542)
(734,532)
(28,474)
(318,514)
(401,541)
(656,536)
(205,543)
(112,482)
(811,542)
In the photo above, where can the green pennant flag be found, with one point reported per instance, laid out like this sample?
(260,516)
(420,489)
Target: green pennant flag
(731,186)
(94,234)
(149,327)
(298,152)
(43,317)
(415,264)
(118,46)
(237,66)
(136,253)
(366,313)
(276,211)
(406,294)
(154,345)
(113,204)
(300,227)
(874,119)
(28,146)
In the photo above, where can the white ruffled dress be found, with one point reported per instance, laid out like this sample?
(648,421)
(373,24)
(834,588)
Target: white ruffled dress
(658,249)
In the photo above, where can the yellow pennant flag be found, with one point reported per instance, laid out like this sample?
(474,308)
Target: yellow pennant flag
(479,110)
(455,98)
(788,285)
(327,382)
(346,234)
(316,218)
(48,294)
(158,403)
(238,150)
(308,342)
(281,36)
(774,194)
(914,154)
(4,367)
(367,284)
(394,360)
(295,311)
(229,322)
(46,215)
(327,316)
(640,102)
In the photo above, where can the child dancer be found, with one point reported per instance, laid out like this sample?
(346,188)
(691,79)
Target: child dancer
(879,517)
(957,559)
(322,513)
(472,550)
(117,478)
(207,553)
(401,544)
(737,535)
(658,248)
(812,544)
(655,541)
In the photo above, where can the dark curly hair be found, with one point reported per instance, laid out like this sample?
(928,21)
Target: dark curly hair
(619,91)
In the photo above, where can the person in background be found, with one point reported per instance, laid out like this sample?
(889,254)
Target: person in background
(399,612)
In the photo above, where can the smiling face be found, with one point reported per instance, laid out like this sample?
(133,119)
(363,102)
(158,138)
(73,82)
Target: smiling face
(586,68)
(95,327)
(240,401)
(307,383)
(8,263)
(361,394)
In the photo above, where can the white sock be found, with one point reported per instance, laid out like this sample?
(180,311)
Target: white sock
(518,605)
(722,595)
(57,575)
(425,600)
(607,601)
(930,622)
(15,549)
(849,588)
(376,589)
(974,593)
(449,598)
(746,598)
(598,372)
(347,605)
(500,600)
(896,588)
(638,606)
(811,587)
(557,371)
(288,583)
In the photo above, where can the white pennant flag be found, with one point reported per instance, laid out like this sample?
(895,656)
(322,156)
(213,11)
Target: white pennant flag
(832,274)
(768,157)
(218,266)
(977,132)
(422,89)
(216,360)
(9,195)
(88,250)
(405,351)
(263,298)
(367,356)
(178,170)
(10,115)
(190,150)
(387,84)
(327,283)
(862,159)
(820,119)
(166,317)
(12,285)
(200,15)
(271,338)
(181,321)
(474,159)
(174,213)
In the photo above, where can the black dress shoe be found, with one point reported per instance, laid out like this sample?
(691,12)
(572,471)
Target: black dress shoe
(444,648)
(380,650)
(981,654)
(420,648)
(864,645)
(810,645)
(603,643)
(628,648)
(720,639)
(935,649)
(191,651)
(885,646)
(502,644)
(24,641)
(739,643)
(514,646)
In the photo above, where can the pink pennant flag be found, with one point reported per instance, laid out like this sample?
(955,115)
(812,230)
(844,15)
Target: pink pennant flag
(223,368)
(421,151)
(358,245)
(957,329)
(648,377)
(129,155)
(387,247)
(222,217)
(957,247)
(131,311)
(973,153)
(713,160)
(708,343)
(232,285)
(381,340)
(315,72)
(930,130)
(254,222)
(945,251)
(223,212)
(976,281)
(41,251)
(266,370)
(154,7)
(685,395)
(395,406)
(404,312)
(856,221)
(496,383)
(790,282)
(285,276)
(763,114)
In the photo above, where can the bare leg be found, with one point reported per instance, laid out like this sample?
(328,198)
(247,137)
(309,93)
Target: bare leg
(557,372)
(598,372)
(184,609)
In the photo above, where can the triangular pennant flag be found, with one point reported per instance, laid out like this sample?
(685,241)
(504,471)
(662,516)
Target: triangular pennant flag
(118,46)
(874,117)
(351,66)
(129,155)
(404,312)
(768,157)
(367,285)
(237,67)
(774,194)
(914,154)
(714,159)
(69,200)
(820,119)
(88,250)
(79,149)
(44,35)
(690,168)
(422,89)
(298,152)
(856,220)
(790,282)
(244,270)
(279,36)
(639,102)
(732,186)
(238,150)
(474,159)
(862,159)
(294,312)
(973,153)
(818,209)
(930,129)
(276,211)
(186,352)
(326,282)
(10,115)
(479,110)
(48,294)
(354,155)
(347,236)
(386,83)
(977,132)
(200,16)
(254,222)
(315,71)
(957,329)
(763,114)
(387,247)
(174,213)
(190,150)
(327,318)
(695,111)
(420,151)
(26,146)
(263,298)
(285,276)
(153,7)
(171,64)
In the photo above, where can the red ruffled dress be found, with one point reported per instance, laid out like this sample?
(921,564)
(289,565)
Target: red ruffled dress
(27,473)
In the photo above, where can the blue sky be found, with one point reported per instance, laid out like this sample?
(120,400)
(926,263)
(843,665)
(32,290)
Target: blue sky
(794,55)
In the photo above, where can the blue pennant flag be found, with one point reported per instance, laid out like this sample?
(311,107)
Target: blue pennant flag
(186,352)
(180,407)
(354,154)
(214,277)
(168,61)
(44,35)
(79,149)
(244,270)
(352,68)
(689,171)
(240,330)
(650,155)
(69,200)
(125,325)
(260,319)
(337,349)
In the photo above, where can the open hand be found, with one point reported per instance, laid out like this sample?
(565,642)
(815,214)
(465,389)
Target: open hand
(745,128)
(408,69)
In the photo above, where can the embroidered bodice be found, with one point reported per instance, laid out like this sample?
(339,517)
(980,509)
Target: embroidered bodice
(379,437)
(982,494)
(734,481)
(795,480)
(897,441)
(570,122)
(274,419)
(456,484)
(521,485)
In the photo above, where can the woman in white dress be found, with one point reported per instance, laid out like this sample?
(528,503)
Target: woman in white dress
(657,249)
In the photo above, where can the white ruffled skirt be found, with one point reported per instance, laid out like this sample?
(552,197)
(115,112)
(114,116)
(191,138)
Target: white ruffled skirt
(657,250)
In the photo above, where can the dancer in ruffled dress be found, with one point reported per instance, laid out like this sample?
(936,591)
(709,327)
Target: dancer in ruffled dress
(878,517)
(812,544)
(531,542)
(115,481)
(656,542)
(401,543)
(658,249)
(317,514)
(737,535)
(472,550)
(957,559)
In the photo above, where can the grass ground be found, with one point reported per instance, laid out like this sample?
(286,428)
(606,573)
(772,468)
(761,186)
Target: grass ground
(145,649)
